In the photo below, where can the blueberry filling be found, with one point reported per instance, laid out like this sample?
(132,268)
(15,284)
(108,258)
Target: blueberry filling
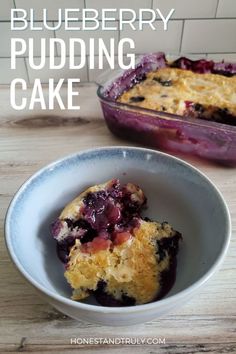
(137,99)
(167,278)
(199,66)
(162,82)
(205,66)
(138,78)
(211,113)
(63,248)
(70,223)
(106,299)
(79,229)
(109,214)
(223,115)
(168,245)
(198,108)
(147,218)
(101,211)
(223,72)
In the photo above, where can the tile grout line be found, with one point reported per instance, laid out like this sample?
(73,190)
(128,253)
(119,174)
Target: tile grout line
(182,34)
(27,71)
(14,4)
(87,68)
(96,55)
(119,32)
(54,34)
(174,19)
(217,5)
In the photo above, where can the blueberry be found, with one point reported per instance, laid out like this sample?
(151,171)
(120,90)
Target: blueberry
(162,82)
(81,223)
(198,108)
(147,219)
(161,252)
(223,111)
(169,245)
(136,99)
(69,223)
(63,248)
(88,236)
(106,299)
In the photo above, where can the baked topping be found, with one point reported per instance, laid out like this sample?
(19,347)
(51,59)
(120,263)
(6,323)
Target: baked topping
(192,89)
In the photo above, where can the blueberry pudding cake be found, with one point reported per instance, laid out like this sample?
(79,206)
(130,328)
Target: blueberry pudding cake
(111,251)
(192,89)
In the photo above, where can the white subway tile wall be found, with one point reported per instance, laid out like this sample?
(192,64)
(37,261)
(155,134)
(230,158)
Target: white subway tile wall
(188,8)
(201,28)
(148,40)
(226,8)
(94,74)
(6,34)
(228,57)
(86,35)
(122,4)
(214,36)
(51,6)
(5,12)
(46,73)
(7,75)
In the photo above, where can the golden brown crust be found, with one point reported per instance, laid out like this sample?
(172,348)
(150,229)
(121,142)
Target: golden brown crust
(132,268)
(205,89)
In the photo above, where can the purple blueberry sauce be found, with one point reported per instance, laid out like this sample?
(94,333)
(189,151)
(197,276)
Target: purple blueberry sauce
(105,299)
(210,113)
(110,214)
(204,66)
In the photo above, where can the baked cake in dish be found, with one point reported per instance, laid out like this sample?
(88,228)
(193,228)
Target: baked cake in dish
(113,253)
(193,89)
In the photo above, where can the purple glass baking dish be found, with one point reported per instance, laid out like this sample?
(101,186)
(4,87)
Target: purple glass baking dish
(207,139)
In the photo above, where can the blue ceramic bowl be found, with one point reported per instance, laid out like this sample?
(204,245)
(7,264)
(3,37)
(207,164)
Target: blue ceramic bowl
(176,191)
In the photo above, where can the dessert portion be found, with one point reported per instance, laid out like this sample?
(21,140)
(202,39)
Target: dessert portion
(110,251)
(193,89)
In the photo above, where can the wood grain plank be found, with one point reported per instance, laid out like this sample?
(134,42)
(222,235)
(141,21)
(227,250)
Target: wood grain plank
(27,347)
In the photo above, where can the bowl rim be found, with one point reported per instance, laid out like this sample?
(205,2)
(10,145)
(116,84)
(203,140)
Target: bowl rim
(171,300)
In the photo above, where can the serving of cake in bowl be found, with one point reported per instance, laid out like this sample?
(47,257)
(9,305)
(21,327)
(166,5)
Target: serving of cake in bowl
(110,251)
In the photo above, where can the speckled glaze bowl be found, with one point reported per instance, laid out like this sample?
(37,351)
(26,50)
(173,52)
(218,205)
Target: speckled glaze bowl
(176,192)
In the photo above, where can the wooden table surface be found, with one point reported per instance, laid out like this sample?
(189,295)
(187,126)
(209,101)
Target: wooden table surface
(28,141)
